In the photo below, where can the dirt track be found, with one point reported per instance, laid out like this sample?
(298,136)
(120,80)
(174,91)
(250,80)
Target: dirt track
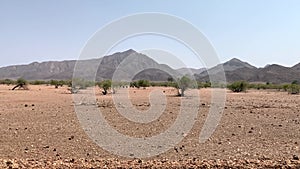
(256,126)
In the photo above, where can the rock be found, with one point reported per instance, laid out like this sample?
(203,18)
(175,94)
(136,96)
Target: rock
(46,146)
(71,138)
(295,157)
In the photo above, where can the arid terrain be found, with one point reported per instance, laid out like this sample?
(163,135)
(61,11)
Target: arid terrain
(39,128)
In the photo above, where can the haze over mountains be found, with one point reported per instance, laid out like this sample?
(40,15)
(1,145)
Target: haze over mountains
(133,65)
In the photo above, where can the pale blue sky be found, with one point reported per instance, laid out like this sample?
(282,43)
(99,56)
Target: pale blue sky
(257,31)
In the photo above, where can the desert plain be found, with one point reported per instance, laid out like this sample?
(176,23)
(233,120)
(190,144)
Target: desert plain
(39,128)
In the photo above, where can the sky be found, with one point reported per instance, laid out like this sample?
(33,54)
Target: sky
(258,32)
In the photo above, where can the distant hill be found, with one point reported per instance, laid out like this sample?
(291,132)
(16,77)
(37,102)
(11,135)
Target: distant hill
(188,71)
(236,70)
(130,64)
(152,75)
(40,71)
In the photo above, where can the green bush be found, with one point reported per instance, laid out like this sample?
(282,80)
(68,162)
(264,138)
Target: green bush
(22,81)
(57,83)
(81,83)
(239,86)
(37,82)
(183,84)
(134,84)
(105,85)
(7,82)
(143,83)
(294,89)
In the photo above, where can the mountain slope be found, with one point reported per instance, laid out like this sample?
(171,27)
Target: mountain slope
(236,70)
(130,65)
(130,62)
(188,71)
(277,74)
(37,70)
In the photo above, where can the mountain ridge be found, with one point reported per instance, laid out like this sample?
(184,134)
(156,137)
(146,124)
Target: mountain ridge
(105,67)
(133,65)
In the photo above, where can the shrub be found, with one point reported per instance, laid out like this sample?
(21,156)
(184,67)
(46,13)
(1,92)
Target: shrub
(37,82)
(294,89)
(207,84)
(7,82)
(21,83)
(183,84)
(106,84)
(57,83)
(285,87)
(239,86)
(143,83)
(134,84)
(81,83)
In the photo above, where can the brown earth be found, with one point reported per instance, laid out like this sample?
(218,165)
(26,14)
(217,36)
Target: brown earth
(39,128)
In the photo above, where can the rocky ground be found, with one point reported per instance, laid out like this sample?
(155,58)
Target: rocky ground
(258,129)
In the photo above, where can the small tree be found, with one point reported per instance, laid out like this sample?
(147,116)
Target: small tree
(294,88)
(239,86)
(207,84)
(54,83)
(183,84)
(57,83)
(143,83)
(21,83)
(82,83)
(106,84)
(134,84)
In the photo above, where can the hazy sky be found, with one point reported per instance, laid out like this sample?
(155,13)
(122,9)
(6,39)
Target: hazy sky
(257,31)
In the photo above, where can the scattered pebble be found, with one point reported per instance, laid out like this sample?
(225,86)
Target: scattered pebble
(46,146)
(157,163)
(71,138)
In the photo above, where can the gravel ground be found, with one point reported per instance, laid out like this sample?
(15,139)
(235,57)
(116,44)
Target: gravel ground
(39,129)
(137,163)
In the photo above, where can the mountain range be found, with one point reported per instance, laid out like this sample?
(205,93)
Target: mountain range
(130,64)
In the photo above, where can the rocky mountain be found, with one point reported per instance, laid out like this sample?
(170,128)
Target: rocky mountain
(152,74)
(236,70)
(42,71)
(128,64)
(188,71)
(296,67)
